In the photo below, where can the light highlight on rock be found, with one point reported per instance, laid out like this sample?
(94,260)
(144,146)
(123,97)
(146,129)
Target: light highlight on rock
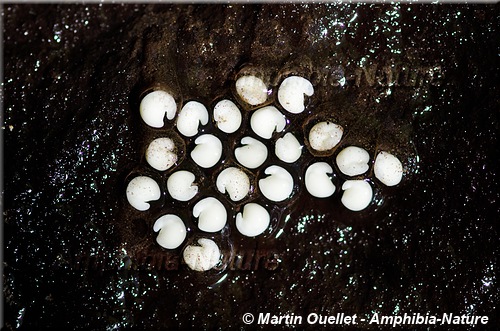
(251,89)
(233,181)
(252,154)
(227,116)
(291,93)
(172,231)
(388,169)
(288,149)
(208,151)
(253,221)
(317,181)
(203,257)
(161,154)
(155,105)
(180,185)
(278,186)
(324,136)
(190,117)
(357,194)
(211,214)
(353,161)
(141,190)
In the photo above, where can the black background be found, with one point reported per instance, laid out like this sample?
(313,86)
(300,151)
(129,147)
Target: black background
(72,78)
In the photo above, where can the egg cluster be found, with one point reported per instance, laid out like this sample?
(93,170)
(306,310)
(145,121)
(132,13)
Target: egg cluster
(236,181)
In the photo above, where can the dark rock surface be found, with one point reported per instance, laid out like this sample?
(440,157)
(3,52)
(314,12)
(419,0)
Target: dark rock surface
(423,80)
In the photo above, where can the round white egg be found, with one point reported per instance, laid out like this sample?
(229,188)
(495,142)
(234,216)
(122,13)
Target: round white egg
(202,257)
(353,161)
(388,169)
(227,116)
(180,185)
(172,231)
(278,185)
(357,195)
(155,105)
(141,190)
(208,151)
(267,120)
(251,89)
(288,149)
(325,135)
(253,221)
(317,180)
(291,93)
(252,154)
(161,154)
(211,214)
(190,117)
(235,182)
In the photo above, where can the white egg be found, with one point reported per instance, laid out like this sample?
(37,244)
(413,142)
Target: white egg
(266,120)
(172,231)
(208,151)
(357,194)
(325,135)
(252,90)
(317,181)
(253,221)
(161,154)
(227,116)
(278,185)
(155,105)
(252,154)
(233,181)
(211,214)
(388,169)
(288,149)
(353,161)
(191,115)
(203,257)
(141,190)
(180,185)
(291,93)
